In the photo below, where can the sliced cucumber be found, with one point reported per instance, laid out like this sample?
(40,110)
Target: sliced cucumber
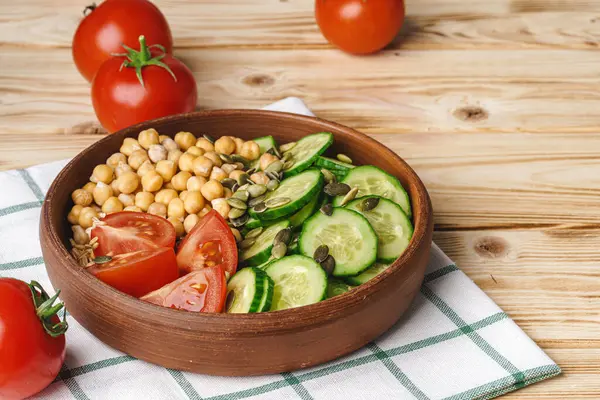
(369,274)
(392,226)
(245,291)
(351,240)
(269,288)
(373,180)
(265,143)
(336,287)
(298,219)
(260,251)
(338,168)
(297,190)
(306,150)
(252,223)
(299,281)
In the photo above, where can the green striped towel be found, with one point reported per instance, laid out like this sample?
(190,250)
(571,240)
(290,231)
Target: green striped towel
(454,343)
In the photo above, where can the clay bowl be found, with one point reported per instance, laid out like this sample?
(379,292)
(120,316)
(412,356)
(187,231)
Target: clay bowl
(225,344)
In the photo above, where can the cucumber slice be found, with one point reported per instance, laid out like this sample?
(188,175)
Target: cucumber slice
(338,168)
(373,180)
(265,143)
(299,281)
(306,150)
(392,226)
(299,189)
(245,291)
(351,240)
(336,287)
(369,274)
(269,288)
(298,219)
(260,251)
(252,223)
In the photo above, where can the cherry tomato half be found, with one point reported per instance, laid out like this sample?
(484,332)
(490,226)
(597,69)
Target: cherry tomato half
(360,26)
(210,243)
(127,232)
(199,291)
(139,272)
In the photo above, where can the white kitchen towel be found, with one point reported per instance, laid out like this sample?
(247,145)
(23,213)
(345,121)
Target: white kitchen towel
(453,343)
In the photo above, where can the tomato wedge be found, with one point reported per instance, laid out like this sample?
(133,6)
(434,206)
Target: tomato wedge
(211,243)
(199,291)
(127,232)
(139,272)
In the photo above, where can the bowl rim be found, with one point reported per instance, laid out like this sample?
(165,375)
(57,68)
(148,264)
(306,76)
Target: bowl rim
(324,311)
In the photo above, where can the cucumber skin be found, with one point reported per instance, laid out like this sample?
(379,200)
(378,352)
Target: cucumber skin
(259,288)
(263,256)
(336,287)
(265,143)
(293,206)
(269,289)
(303,166)
(297,220)
(338,168)
(356,280)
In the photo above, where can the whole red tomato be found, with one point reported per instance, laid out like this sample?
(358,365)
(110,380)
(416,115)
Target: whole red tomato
(360,26)
(113,23)
(32,341)
(142,85)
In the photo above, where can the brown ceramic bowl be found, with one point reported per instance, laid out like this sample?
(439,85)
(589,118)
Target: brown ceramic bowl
(241,344)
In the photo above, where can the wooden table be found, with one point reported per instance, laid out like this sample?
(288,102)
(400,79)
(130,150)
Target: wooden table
(496,104)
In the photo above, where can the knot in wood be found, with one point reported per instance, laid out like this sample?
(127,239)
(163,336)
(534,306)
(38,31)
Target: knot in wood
(259,80)
(491,247)
(471,114)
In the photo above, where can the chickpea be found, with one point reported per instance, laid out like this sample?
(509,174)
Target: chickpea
(266,160)
(217,174)
(250,150)
(227,193)
(132,208)
(196,151)
(129,146)
(214,157)
(212,190)
(80,236)
(185,140)
(102,192)
(190,222)
(86,217)
(165,196)
(195,183)
(202,166)
(193,202)
(146,167)
(103,173)
(89,187)
(178,225)
(236,234)
(169,144)
(81,197)
(228,168)
(183,194)
(236,174)
(158,209)
(112,205)
(128,182)
(116,159)
(238,145)
(204,211)
(221,206)
(166,169)
(186,162)
(143,200)
(121,169)
(157,152)
(152,181)
(174,155)
(205,144)
(126,199)
(73,216)
(114,185)
(175,208)
(96,208)
(168,185)
(179,181)
(259,177)
(137,158)
(225,145)
(162,138)
(147,138)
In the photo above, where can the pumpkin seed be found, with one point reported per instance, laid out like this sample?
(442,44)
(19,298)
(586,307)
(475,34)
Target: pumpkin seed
(237,158)
(349,196)
(344,158)
(369,204)
(243,179)
(288,165)
(273,151)
(257,190)
(327,209)
(228,183)
(240,221)
(336,189)
(272,175)
(239,165)
(273,184)
(247,243)
(328,175)
(321,253)
(242,195)
(235,187)
(236,213)
(256,200)
(102,259)
(279,249)
(251,171)
(225,158)
(275,166)
(209,138)
(244,187)
(254,233)
(286,157)
(236,203)
(284,236)
(287,146)
(328,265)
(277,202)
(260,207)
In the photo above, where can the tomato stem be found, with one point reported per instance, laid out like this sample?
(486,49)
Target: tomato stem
(46,309)
(143,58)
(89,9)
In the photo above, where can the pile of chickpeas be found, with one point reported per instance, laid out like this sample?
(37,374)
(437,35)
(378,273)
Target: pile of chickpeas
(178,179)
